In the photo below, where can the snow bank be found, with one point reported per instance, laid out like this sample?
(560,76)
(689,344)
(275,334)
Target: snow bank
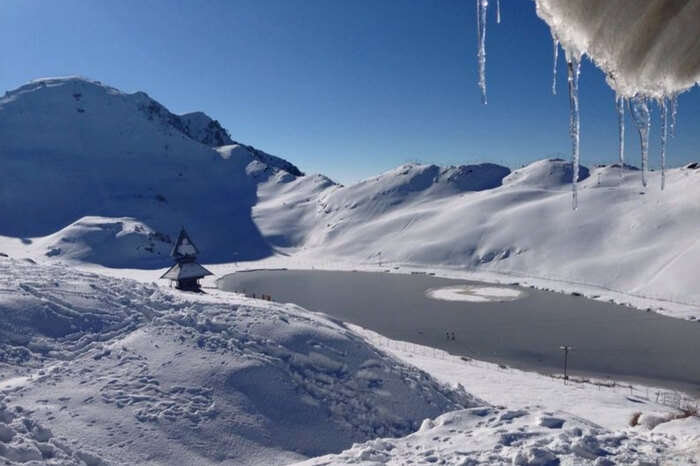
(502,436)
(646,47)
(136,373)
(542,424)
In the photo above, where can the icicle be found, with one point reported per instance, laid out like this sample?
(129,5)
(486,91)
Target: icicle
(640,114)
(574,69)
(620,101)
(664,139)
(498,11)
(481,7)
(674,113)
(555,41)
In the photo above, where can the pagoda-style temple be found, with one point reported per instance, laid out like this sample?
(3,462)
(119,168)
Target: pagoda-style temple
(186,272)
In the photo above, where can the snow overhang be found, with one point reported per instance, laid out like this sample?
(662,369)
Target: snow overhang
(645,47)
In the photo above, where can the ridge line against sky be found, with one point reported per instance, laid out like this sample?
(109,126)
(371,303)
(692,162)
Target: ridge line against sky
(347,89)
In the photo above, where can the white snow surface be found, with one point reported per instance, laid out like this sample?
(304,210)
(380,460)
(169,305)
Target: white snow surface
(99,370)
(113,184)
(620,240)
(474,293)
(646,47)
(73,148)
(125,372)
(532,420)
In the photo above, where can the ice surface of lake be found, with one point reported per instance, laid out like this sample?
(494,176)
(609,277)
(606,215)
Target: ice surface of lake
(520,327)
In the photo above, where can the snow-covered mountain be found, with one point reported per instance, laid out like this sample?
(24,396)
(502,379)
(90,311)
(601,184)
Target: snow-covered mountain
(622,237)
(96,175)
(72,148)
(102,370)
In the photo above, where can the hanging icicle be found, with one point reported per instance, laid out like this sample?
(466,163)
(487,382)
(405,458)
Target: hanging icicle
(639,108)
(481,7)
(498,11)
(574,69)
(620,103)
(664,139)
(555,41)
(674,113)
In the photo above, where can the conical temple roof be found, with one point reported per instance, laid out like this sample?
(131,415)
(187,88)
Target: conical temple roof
(184,247)
(186,270)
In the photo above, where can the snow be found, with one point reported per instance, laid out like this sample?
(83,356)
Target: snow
(132,372)
(474,293)
(644,47)
(647,50)
(109,370)
(102,206)
(110,155)
(529,417)
(642,246)
(117,370)
(186,248)
(186,270)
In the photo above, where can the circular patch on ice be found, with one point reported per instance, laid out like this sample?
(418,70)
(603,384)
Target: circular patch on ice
(475,293)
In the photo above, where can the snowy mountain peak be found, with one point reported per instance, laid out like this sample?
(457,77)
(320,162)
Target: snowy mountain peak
(79,92)
(546,173)
(73,149)
(414,177)
(44,83)
(200,127)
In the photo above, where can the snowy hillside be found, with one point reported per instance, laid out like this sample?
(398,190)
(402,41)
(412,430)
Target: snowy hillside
(130,373)
(622,237)
(98,176)
(72,148)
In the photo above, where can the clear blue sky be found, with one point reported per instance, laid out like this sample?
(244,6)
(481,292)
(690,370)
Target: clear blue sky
(345,88)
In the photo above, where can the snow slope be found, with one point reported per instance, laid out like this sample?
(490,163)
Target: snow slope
(500,436)
(93,175)
(132,373)
(524,422)
(73,148)
(640,242)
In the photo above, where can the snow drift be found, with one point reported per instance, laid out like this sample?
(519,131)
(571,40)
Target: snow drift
(133,373)
(646,47)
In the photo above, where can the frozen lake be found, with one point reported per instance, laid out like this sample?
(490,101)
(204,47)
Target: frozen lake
(520,327)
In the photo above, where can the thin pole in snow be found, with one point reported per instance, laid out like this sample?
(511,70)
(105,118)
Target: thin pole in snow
(566,350)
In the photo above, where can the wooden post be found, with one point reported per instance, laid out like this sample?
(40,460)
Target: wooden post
(566,350)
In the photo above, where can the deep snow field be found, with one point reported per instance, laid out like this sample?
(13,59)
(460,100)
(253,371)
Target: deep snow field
(103,370)
(133,373)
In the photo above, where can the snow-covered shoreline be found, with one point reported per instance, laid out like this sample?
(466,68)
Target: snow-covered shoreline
(162,323)
(679,310)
